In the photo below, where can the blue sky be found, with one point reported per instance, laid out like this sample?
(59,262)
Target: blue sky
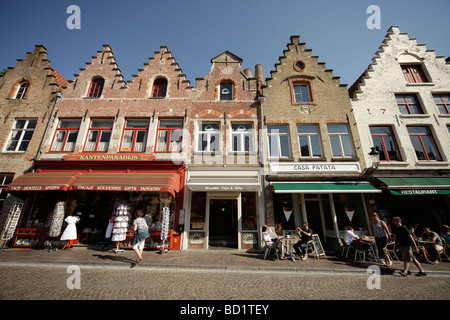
(196,31)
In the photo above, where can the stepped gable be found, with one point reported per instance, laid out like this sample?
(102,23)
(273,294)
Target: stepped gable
(102,65)
(31,68)
(402,47)
(311,65)
(161,65)
(226,66)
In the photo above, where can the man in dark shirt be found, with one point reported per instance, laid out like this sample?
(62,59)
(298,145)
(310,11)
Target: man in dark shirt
(406,241)
(305,234)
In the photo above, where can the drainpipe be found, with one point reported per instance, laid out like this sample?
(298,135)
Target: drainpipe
(39,151)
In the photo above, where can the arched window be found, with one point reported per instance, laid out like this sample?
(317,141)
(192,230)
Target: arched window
(226,90)
(96,88)
(22,92)
(159,88)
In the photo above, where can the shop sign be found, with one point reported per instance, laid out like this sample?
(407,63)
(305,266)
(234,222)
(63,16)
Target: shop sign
(223,188)
(249,238)
(109,157)
(196,238)
(118,188)
(315,167)
(420,192)
(35,188)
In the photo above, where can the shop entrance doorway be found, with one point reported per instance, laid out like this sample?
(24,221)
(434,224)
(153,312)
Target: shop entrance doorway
(223,228)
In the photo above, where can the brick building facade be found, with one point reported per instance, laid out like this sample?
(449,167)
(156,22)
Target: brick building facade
(112,144)
(313,160)
(401,104)
(28,93)
(223,179)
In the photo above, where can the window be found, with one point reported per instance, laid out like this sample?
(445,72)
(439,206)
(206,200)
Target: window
(302,89)
(5,180)
(208,137)
(169,136)
(66,135)
(22,92)
(384,141)
(226,90)
(21,135)
(99,135)
(423,143)
(341,141)
(408,104)
(159,88)
(242,137)
(302,93)
(96,88)
(135,135)
(278,136)
(414,73)
(309,140)
(442,102)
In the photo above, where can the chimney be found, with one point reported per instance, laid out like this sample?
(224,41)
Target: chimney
(259,76)
(248,73)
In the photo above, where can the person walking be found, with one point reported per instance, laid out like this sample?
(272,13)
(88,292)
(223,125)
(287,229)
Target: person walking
(141,233)
(382,234)
(406,241)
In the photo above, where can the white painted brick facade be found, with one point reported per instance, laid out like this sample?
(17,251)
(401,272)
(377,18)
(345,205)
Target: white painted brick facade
(374,102)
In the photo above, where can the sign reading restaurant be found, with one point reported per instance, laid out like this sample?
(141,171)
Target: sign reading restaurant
(109,157)
(314,167)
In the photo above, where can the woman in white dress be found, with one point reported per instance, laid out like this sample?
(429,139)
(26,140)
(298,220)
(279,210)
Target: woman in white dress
(70,233)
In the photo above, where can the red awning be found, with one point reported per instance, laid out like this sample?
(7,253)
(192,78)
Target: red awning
(144,182)
(43,181)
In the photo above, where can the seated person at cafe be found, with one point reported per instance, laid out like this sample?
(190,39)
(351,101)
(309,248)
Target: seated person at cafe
(305,235)
(434,249)
(350,236)
(422,251)
(446,233)
(270,238)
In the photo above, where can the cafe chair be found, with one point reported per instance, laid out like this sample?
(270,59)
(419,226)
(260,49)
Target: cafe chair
(446,251)
(345,247)
(391,249)
(268,249)
(360,250)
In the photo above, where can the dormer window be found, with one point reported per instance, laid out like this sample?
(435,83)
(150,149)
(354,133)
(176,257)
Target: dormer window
(414,73)
(159,88)
(22,92)
(226,90)
(96,88)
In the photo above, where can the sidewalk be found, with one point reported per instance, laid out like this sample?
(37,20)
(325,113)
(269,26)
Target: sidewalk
(222,260)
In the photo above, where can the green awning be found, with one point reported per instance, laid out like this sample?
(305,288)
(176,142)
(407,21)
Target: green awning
(417,186)
(324,187)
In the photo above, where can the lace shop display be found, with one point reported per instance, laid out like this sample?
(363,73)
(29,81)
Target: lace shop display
(119,232)
(57,219)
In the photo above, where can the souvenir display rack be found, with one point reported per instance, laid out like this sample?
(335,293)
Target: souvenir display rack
(11,222)
(57,219)
(120,228)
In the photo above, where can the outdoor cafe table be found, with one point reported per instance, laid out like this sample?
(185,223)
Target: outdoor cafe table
(287,248)
(372,243)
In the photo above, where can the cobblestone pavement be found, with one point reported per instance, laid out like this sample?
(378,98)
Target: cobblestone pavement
(50,281)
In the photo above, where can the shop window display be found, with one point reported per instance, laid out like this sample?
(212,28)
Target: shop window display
(249,220)
(284,213)
(350,211)
(95,210)
(198,211)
